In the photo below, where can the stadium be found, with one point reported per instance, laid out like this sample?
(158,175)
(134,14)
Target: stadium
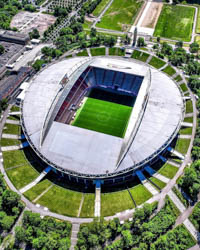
(101,119)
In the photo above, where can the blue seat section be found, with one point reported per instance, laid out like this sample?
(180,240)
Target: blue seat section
(140,175)
(23,136)
(25,144)
(169,149)
(162,158)
(48,169)
(98,183)
(109,78)
(149,170)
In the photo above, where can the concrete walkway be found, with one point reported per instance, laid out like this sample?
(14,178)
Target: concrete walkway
(161,177)
(11,136)
(178,154)
(174,163)
(176,201)
(74,237)
(185,136)
(16,147)
(150,187)
(15,122)
(187,124)
(190,227)
(15,113)
(97,206)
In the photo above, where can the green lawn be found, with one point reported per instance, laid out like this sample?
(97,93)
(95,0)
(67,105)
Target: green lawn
(138,55)
(21,176)
(100,7)
(112,203)
(116,52)
(188,119)
(15,108)
(120,15)
(14,158)
(35,191)
(156,62)
(98,51)
(198,21)
(140,194)
(82,53)
(11,129)
(87,25)
(175,22)
(9,142)
(169,70)
(185,131)
(178,78)
(88,206)
(182,145)
(61,201)
(189,107)
(102,116)
(158,182)
(183,87)
(168,170)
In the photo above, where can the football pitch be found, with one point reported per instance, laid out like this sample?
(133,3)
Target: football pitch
(104,117)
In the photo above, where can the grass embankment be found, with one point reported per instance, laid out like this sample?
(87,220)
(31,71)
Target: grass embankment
(189,107)
(169,70)
(156,62)
(182,145)
(61,201)
(175,22)
(98,51)
(168,170)
(183,87)
(120,15)
(88,206)
(82,53)
(116,52)
(139,55)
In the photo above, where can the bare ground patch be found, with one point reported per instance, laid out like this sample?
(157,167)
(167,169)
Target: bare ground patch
(152,15)
(25,21)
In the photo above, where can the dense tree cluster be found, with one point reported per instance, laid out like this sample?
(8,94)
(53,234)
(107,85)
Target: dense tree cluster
(37,65)
(34,34)
(140,232)
(10,207)
(46,233)
(195,216)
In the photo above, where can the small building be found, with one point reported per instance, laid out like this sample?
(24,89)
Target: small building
(14,37)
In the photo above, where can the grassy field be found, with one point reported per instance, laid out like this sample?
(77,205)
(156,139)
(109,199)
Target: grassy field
(183,87)
(100,7)
(188,119)
(198,21)
(116,52)
(156,62)
(61,201)
(120,15)
(140,194)
(185,131)
(158,182)
(11,129)
(168,170)
(175,22)
(189,108)
(182,145)
(169,70)
(9,142)
(87,25)
(112,203)
(35,191)
(88,206)
(101,116)
(15,108)
(21,176)
(98,51)
(13,158)
(138,55)
(82,53)
(197,39)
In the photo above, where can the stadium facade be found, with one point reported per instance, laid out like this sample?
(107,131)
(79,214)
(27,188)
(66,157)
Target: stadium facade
(82,154)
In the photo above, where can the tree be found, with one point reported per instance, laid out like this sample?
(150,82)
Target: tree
(179,44)
(1,49)
(34,34)
(7,222)
(158,39)
(194,47)
(141,42)
(19,234)
(10,200)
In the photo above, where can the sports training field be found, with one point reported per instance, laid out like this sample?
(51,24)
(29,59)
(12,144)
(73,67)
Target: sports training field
(120,15)
(175,22)
(102,116)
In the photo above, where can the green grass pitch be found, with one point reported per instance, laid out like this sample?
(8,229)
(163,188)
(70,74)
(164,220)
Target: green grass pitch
(175,22)
(105,117)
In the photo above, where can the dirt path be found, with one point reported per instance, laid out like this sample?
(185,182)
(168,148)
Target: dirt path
(152,15)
